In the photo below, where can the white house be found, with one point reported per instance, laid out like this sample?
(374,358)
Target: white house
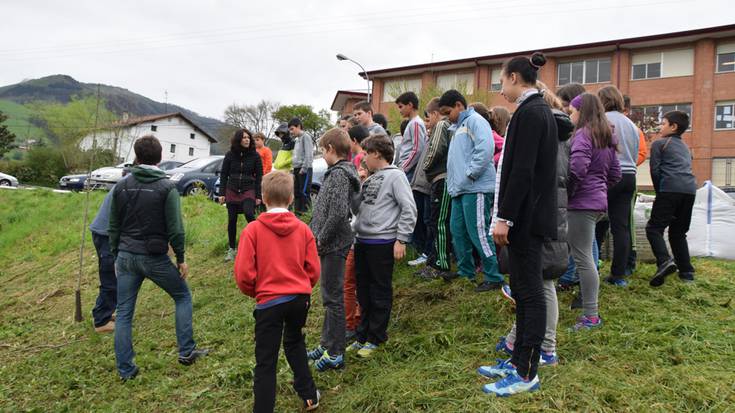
(182,140)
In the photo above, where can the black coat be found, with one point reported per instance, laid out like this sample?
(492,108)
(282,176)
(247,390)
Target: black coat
(241,171)
(528,182)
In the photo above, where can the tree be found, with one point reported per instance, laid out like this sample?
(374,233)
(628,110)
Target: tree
(6,136)
(314,123)
(256,118)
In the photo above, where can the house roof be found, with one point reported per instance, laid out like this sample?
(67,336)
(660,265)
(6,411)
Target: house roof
(152,118)
(340,99)
(597,47)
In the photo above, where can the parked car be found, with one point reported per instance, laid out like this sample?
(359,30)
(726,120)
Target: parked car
(169,165)
(107,177)
(73,182)
(197,176)
(8,180)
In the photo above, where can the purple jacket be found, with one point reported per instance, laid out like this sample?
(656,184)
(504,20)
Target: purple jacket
(591,172)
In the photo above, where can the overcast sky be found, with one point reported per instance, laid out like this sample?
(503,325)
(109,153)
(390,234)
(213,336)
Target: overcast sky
(210,53)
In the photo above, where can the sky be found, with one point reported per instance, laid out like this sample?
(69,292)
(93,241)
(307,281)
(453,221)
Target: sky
(209,54)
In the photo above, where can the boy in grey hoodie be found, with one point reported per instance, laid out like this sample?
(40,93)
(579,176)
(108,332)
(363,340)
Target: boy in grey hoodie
(385,220)
(303,157)
(330,224)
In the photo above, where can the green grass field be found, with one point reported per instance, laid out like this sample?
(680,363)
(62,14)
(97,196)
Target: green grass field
(664,350)
(18,121)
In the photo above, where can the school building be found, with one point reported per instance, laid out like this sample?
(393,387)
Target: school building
(693,71)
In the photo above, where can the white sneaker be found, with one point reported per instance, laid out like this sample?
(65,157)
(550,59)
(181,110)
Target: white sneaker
(231,254)
(421,260)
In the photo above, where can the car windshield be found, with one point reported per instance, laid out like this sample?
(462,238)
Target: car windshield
(197,163)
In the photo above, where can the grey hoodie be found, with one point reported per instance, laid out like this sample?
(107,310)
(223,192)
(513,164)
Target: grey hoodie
(303,151)
(330,221)
(387,210)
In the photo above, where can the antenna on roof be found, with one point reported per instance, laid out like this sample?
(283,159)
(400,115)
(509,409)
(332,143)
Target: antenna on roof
(165,110)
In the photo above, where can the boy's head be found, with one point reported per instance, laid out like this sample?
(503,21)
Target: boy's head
(408,104)
(451,104)
(363,113)
(147,150)
(568,92)
(379,152)
(675,122)
(259,139)
(381,120)
(432,113)
(277,188)
(626,104)
(335,145)
(358,134)
(344,122)
(295,126)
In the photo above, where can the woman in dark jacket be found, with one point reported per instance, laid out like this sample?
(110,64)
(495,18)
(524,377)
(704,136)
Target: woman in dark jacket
(242,173)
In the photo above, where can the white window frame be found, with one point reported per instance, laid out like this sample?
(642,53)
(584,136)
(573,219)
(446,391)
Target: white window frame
(584,70)
(722,49)
(496,74)
(723,104)
(729,177)
(403,85)
(455,81)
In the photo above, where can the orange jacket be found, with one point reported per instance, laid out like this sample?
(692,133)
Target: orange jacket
(642,148)
(267,156)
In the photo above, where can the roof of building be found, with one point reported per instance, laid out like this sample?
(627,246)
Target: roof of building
(340,99)
(585,48)
(152,118)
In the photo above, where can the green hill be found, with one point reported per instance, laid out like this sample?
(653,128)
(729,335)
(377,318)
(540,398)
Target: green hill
(19,123)
(660,350)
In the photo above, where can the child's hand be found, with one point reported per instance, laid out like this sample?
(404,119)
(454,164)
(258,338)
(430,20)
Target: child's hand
(183,270)
(399,250)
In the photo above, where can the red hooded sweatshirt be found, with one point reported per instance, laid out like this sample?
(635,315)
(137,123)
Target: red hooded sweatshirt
(276,257)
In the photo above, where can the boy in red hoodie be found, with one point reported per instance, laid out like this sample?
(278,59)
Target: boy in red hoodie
(281,282)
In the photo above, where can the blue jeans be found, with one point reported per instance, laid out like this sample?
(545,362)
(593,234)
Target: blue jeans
(571,276)
(132,269)
(107,297)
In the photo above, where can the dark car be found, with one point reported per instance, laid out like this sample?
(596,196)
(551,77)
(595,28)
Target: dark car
(197,176)
(169,165)
(73,182)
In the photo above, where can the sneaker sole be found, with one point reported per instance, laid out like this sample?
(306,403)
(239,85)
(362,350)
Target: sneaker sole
(490,376)
(533,388)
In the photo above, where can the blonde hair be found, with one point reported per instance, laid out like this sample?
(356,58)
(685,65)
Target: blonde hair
(338,139)
(551,99)
(277,188)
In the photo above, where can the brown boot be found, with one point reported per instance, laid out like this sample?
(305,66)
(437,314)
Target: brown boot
(107,328)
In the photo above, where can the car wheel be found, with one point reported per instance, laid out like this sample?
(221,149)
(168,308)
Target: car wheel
(5,182)
(197,188)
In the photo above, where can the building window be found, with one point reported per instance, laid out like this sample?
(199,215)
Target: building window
(191,151)
(725,115)
(393,88)
(726,58)
(495,84)
(154,128)
(173,148)
(723,172)
(648,118)
(670,63)
(192,136)
(464,82)
(584,71)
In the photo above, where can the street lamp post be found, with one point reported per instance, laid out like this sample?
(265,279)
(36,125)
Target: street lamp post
(341,57)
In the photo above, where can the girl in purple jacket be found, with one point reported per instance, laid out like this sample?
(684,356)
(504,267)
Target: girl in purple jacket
(593,168)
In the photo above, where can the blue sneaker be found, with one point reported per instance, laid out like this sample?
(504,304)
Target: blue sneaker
(587,323)
(505,290)
(355,346)
(316,354)
(548,358)
(503,346)
(617,281)
(327,362)
(503,369)
(512,384)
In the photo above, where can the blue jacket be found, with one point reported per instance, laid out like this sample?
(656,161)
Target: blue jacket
(470,168)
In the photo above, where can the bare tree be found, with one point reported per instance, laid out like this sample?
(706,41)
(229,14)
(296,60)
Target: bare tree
(257,118)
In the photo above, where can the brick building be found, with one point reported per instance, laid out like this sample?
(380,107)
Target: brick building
(692,71)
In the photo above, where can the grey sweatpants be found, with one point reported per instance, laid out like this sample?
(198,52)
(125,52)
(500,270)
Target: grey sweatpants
(332,288)
(552,318)
(580,237)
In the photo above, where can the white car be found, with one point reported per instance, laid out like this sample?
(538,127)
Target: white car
(106,177)
(8,180)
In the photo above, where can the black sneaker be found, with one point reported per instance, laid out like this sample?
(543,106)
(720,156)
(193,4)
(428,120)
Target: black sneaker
(576,302)
(193,356)
(131,376)
(450,276)
(687,277)
(312,404)
(488,286)
(667,268)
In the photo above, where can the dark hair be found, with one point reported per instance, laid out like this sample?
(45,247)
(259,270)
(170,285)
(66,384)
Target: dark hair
(611,98)
(404,125)
(482,110)
(235,142)
(592,116)
(626,101)
(678,118)
(358,133)
(338,140)
(380,144)
(147,150)
(451,97)
(526,67)
(568,92)
(346,117)
(408,97)
(381,120)
(295,122)
(363,105)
